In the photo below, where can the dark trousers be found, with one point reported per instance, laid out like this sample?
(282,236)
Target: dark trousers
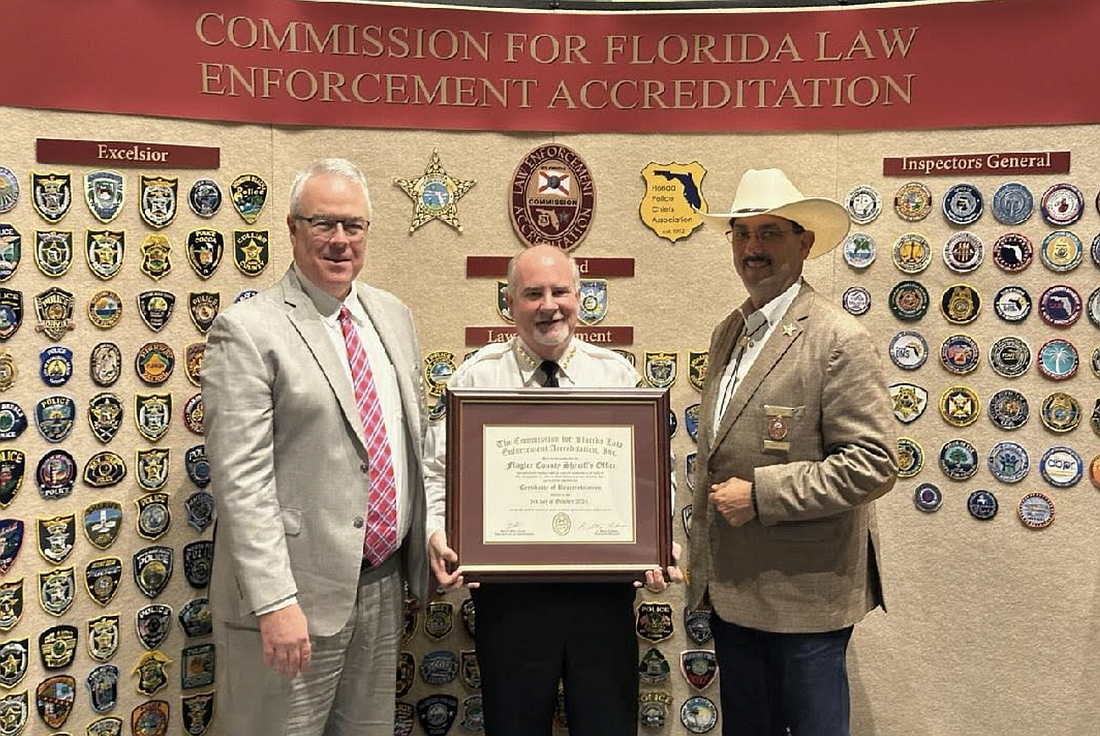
(531,635)
(772,682)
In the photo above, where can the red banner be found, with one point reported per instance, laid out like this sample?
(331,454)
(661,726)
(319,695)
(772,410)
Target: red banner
(955,64)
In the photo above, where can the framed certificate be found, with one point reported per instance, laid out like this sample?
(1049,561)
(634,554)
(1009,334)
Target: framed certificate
(561,484)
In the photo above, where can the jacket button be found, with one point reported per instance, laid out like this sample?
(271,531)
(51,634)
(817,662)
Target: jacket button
(358,523)
(363,467)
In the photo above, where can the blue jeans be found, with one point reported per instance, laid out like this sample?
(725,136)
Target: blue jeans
(771,682)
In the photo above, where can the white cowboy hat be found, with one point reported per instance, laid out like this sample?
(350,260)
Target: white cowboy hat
(770,192)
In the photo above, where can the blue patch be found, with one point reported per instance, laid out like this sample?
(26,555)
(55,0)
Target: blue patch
(56,474)
(11,541)
(1012,203)
(11,309)
(691,421)
(439,667)
(57,365)
(982,505)
(962,204)
(1062,467)
(12,420)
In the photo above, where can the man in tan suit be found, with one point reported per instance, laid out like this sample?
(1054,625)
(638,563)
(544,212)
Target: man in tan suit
(795,444)
(314,424)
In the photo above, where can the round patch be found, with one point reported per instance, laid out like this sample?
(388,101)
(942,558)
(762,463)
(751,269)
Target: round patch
(962,204)
(913,201)
(1060,305)
(958,459)
(910,457)
(1095,250)
(193,413)
(927,497)
(1062,204)
(960,304)
(909,350)
(1060,412)
(698,714)
(909,300)
(963,252)
(1095,362)
(1008,461)
(1012,303)
(959,406)
(9,190)
(205,198)
(1036,510)
(912,253)
(1008,409)
(1094,471)
(959,354)
(1062,467)
(1061,251)
(982,505)
(1012,203)
(859,250)
(105,309)
(863,203)
(1010,356)
(1058,359)
(154,362)
(856,300)
(553,197)
(1093,307)
(1013,252)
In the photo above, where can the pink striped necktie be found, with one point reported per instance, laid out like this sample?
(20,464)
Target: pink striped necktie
(381,537)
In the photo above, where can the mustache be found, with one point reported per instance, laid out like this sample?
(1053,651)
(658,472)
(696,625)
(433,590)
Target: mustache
(757,258)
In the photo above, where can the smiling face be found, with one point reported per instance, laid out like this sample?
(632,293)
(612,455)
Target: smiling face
(543,298)
(768,268)
(331,262)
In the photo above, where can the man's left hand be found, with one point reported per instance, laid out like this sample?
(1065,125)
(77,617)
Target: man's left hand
(733,500)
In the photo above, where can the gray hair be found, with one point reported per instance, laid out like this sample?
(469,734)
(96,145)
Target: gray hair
(340,167)
(512,272)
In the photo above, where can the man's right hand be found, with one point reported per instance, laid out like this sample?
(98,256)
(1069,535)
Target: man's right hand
(285,638)
(444,560)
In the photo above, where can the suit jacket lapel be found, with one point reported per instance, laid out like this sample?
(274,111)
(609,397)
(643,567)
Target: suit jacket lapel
(773,351)
(719,357)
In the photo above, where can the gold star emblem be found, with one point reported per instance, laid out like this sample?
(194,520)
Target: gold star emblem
(435,194)
(789,329)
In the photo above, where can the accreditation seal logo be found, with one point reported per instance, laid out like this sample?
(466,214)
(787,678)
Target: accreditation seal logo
(553,197)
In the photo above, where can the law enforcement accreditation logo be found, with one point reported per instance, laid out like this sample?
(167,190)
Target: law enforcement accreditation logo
(654,621)
(54,699)
(56,589)
(105,192)
(436,713)
(197,666)
(102,578)
(53,251)
(439,619)
(105,362)
(103,637)
(653,709)
(13,662)
(660,368)
(205,197)
(152,468)
(204,251)
(158,200)
(198,561)
(103,688)
(673,201)
(11,250)
(11,541)
(102,522)
(153,570)
(56,537)
(153,624)
(553,197)
(152,414)
(106,726)
(151,717)
(13,464)
(250,251)
(53,193)
(697,368)
(699,667)
(9,190)
(249,195)
(54,308)
(435,194)
(153,515)
(11,604)
(197,712)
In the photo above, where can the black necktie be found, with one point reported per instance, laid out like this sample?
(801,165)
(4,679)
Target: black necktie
(550,370)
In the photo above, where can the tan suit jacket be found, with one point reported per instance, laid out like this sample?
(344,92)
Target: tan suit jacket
(810,561)
(288,457)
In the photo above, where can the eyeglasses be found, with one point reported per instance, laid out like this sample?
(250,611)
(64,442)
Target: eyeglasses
(766,235)
(325,227)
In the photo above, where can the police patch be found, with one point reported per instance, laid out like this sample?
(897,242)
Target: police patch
(909,401)
(102,523)
(697,626)
(158,200)
(153,515)
(56,474)
(198,467)
(249,195)
(197,666)
(698,714)
(102,577)
(197,712)
(469,669)
(154,362)
(104,251)
(104,469)
(403,719)
(205,197)
(152,414)
(699,667)
(156,307)
(11,604)
(150,718)
(105,362)
(250,251)
(204,308)
(13,714)
(195,618)
(439,366)
(697,368)
(150,669)
(53,194)
(8,371)
(11,541)
(439,619)
(153,570)
(54,698)
(685,519)
(13,463)
(204,251)
(653,709)
(53,251)
(13,662)
(56,537)
(691,421)
(473,715)
(9,190)
(103,688)
(653,668)
(103,637)
(153,624)
(54,417)
(439,667)
(105,418)
(654,621)
(468,615)
(406,673)
(56,590)
(673,202)
(198,561)
(57,646)
(435,194)
(593,301)
(105,309)
(193,414)
(11,312)
(660,368)
(553,197)
(107,726)
(104,192)
(156,253)
(503,309)
(193,361)
(436,713)
(11,250)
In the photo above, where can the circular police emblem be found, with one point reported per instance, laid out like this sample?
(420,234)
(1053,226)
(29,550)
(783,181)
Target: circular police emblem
(1008,409)
(154,362)
(963,252)
(1095,362)
(1008,462)
(1061,251)
(1094,252)
(859,250)
(1062,204)
(105,309)
(1060,412)
(9,190)
(698,714)
(913,201)
(1036,510)
(912,253)
(857,300)
(910,457)
(1093,307)
(962,204)
(1012,203)
(927,497)
(205,198)
(56,365)
(959,354)
(1061,467)
(1058,359)
(553,197)
(12,420)
(960,304)
(56,474)
(982,505)
(863,204)
(909,300)
(1012,303)
(908,350)
(153,515)
(1013,252)
(1010,356)
(1060,305)
(959,406)
(958,459)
